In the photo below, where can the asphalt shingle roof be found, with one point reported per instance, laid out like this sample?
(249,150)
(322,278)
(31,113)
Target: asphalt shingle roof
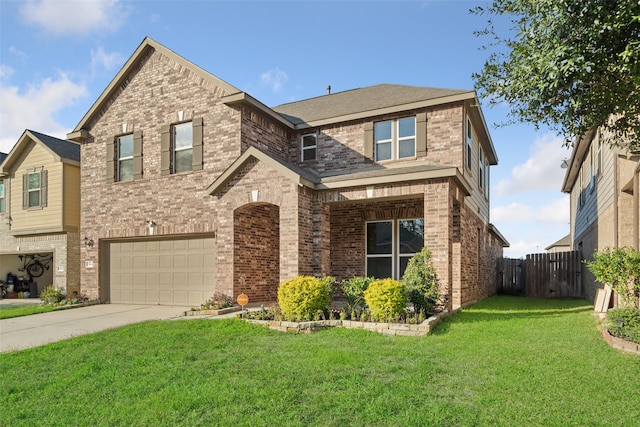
(358,101)
(65,149)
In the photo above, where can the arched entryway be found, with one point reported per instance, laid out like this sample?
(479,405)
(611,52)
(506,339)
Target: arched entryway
(256,251)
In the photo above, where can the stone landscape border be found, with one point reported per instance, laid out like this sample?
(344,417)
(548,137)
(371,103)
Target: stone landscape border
(381,327)
(619,343)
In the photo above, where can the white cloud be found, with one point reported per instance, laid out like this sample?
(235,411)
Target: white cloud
(20,54)
(5,71)
(74,16)
(541,171)
(553,211)
(107,61)
(35,108)
(275,78)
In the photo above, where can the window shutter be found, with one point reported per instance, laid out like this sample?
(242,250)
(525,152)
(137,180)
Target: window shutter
(43,188)
(421,134)
(137,154)
(165,149)
(368,141)
(197,144)
(25,191)
(110,161)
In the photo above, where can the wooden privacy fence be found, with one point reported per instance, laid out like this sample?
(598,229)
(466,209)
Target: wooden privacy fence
(547,275)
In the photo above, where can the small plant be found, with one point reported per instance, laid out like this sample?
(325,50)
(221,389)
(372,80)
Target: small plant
(302,297)
(51,295)
(421,281)
(386,298)
(620,269)
(625,323)
(353,290)
(217,302)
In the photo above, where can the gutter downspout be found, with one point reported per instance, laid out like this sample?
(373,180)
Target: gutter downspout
(615,201)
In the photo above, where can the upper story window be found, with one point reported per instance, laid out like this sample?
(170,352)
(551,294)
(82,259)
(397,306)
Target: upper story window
(125,157)
(308,146)
(469,143)
(480,168)
(34,189)
(2,197)
(395,139)
(486,179)
(182,147)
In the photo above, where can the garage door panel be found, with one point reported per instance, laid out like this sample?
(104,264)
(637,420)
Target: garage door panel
(178,272)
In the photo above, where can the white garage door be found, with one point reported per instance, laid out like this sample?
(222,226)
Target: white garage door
(170,272)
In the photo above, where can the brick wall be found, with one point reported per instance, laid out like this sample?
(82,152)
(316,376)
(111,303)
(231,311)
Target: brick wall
(256,257)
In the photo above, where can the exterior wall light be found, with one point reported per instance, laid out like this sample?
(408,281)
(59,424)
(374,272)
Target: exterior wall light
(88,242)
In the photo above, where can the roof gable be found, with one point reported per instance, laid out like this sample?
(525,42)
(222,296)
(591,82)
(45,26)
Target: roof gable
(140,53)
(61,150)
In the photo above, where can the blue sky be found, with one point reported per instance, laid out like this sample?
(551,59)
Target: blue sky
(57,56)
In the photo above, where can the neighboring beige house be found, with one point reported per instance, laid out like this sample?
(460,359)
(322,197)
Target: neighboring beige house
(603,187)
(561,245)
(191,186)
(40,209)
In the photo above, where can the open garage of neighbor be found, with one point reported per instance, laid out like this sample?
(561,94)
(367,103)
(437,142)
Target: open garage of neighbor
(161,271)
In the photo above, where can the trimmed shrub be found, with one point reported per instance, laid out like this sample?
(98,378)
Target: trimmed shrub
(302,297)
(353,290)
(386,298)
(421,281)
(620,269)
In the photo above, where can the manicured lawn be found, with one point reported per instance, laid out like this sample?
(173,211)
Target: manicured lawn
(7,312)
(505,361)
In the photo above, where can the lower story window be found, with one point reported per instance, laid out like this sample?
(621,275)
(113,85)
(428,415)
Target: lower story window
(390,246)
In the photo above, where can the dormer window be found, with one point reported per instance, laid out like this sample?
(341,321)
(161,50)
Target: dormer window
(395,139)
(308,147)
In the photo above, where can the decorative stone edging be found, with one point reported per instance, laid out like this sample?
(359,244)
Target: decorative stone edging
(619,343)
(380,327)
(217,312)
(81,304)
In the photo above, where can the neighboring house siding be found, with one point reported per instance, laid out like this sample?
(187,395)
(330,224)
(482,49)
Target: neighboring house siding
(71,196)
(37,158)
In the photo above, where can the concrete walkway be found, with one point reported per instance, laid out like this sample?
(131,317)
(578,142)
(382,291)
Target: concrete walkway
(19,333)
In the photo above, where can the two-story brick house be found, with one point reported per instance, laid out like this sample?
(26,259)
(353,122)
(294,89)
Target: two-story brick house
(602,181)
(40,210)
(191,186)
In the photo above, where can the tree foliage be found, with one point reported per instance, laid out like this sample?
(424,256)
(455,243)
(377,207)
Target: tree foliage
(620,269)
(573,65)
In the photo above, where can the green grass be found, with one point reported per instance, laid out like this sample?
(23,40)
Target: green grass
(504,361)
(7,312)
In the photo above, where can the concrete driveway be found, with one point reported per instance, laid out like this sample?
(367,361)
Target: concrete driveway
(31,331)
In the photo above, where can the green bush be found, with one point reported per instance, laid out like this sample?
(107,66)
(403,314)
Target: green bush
(421,281)
(386,298)
(302,297)
(51,295)
(629,318)
(620,269)
(353,290)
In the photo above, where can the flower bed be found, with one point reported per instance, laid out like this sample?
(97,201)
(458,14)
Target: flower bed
(619,343)
(381,327)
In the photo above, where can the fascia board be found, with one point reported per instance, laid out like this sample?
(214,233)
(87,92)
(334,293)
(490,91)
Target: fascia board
(117,81)
(575,161)
(243,98)
(387,110)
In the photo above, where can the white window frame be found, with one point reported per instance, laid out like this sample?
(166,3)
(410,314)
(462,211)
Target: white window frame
(395,139)
(395,254)
(486,178)
(175,149)
(306,149)
(3,196)
(34,190)
(121,158)
(469,143)
(480,167)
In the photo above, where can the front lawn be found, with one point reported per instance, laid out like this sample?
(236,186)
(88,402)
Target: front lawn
(7,312)
(505,361)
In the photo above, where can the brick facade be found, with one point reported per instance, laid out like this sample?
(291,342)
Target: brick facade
(268,227)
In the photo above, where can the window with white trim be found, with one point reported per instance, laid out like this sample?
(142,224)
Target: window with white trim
(469,143)
(308,146)
(395,139)
(2,196)
(124,146)
(182,147)
(480,168)
(390,245)
(486,178)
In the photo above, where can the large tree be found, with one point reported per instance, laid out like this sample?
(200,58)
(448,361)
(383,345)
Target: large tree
(573,65)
